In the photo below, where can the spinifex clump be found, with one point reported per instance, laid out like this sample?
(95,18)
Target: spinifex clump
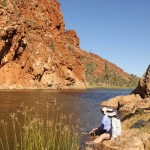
(56,132)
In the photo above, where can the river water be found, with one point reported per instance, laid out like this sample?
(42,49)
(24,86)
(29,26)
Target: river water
(83,104)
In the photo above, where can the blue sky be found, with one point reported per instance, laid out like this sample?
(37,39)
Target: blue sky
(116,30)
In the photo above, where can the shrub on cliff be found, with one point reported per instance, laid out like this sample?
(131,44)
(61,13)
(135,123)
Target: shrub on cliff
(110,78)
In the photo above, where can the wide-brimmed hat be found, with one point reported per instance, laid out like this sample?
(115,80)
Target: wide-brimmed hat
(108,111)
(110,114)
(105,109)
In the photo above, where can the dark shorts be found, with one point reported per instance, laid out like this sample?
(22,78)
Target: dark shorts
(99,131)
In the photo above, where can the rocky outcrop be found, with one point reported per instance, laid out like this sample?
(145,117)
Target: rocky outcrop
(143,88)
(127,104)
(123,103)
(130,141)
(135,109)
(113,102)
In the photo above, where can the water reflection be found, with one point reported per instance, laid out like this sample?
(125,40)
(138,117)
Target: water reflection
(83,104)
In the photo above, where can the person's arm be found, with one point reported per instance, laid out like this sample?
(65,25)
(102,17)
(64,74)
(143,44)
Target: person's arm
(101,126)
(104,120)
(93,130)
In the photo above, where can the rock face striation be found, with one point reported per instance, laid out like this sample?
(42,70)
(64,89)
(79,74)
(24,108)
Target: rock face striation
(37,52)
(35,48)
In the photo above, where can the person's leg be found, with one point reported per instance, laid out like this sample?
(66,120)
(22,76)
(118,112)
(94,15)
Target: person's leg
(99,131)
(104,136)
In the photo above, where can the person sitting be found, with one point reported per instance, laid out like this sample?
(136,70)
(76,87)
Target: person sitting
(116,129)
(104,132)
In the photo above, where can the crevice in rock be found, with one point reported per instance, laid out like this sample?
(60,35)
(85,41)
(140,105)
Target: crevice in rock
(20,49)
(70,80)
(39,75)
(8,43)
(58,26)
(70,68)
(30,70)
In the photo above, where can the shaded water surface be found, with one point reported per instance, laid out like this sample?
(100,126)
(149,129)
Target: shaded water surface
(83,104)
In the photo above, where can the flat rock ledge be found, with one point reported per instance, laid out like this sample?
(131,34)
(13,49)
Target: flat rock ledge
(127,104)
(130,140)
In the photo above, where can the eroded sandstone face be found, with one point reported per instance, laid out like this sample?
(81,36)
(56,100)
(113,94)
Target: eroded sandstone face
(35,49)
(143,88)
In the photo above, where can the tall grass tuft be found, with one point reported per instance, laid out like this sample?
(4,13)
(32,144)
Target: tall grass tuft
(56,132)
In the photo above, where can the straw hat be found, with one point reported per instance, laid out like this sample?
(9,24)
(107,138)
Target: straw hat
(108,111)
(105,109)
(110,114)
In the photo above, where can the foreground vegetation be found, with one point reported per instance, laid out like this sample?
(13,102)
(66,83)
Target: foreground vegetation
(56,132)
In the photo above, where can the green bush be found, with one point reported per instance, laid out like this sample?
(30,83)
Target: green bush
(89,67)
(70,47)
(52,46)
(3,3)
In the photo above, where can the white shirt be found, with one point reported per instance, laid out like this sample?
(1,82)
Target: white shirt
(116,127)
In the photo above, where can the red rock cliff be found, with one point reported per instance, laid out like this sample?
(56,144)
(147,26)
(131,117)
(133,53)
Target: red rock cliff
(35,49)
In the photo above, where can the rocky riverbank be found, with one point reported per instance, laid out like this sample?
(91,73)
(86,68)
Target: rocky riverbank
(135,109)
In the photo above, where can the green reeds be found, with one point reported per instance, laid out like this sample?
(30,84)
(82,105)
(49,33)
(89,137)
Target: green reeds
(31,132)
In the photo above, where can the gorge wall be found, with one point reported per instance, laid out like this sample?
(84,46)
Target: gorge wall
(37,52)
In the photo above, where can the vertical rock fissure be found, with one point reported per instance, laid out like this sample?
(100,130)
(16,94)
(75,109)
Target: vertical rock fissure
(8,37)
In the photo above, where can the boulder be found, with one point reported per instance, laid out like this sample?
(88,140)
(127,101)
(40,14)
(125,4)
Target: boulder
(129,141)
(143,87)
(129,103)
(143,104)
(134,143)
(134,139)
(113,102)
